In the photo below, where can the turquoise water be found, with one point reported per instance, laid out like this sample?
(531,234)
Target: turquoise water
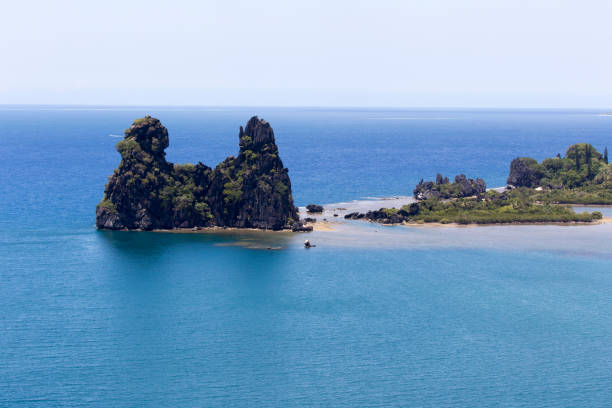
(374,316)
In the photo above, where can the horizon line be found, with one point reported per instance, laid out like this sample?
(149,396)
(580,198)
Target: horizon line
(375,107)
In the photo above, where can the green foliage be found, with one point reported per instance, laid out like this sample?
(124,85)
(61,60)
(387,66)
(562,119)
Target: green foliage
(232,191)
(281,188)
(128,148)
(580,166)
(589,194)
(183,202)
(517,206)
(264,186)
(204,210)
(106,203)
(187,168)
(250,155)
(389,211)
(245,140)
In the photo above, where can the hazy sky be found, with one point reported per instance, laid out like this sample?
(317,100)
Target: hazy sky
(487,53)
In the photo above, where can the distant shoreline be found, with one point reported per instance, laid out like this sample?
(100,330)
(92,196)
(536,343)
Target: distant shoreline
(605,220)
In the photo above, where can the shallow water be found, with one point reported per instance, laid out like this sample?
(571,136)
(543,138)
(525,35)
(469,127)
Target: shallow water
(373,316)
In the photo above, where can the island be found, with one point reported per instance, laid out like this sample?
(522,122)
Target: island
(147,192)
(536,193)
(253,189)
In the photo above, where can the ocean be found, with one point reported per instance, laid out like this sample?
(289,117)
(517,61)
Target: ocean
(374,316)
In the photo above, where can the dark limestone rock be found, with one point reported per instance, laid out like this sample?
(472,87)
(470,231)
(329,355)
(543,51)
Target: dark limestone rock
(443,189)
(525,172)
(132,198)
(385,216)
(253,190)
(314,208)
(470,187)
(301,228)
(146,192)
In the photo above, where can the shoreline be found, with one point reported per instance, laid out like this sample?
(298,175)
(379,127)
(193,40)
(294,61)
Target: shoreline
(605,220)
(331,218)
(584,205)
(214,230)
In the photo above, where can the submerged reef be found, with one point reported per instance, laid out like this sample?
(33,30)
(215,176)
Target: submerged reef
(146,192)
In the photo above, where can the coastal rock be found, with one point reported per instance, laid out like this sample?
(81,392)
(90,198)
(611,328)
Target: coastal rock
(385,216)
(524,172)
(470,187)
(253,190)
(443,189)
(133,197)
(302,228)
(146,192)
(314,208)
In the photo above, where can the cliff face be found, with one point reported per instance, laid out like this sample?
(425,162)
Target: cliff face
(251,190)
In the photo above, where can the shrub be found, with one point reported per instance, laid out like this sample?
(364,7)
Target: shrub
(108,204)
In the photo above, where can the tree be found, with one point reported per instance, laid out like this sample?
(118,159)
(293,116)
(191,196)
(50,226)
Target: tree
(577,158)
(587,153)
(605,158)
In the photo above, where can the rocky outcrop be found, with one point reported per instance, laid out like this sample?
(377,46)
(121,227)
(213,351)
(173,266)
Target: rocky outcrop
(443,189)
(525,172)
(251,190)
(314,208)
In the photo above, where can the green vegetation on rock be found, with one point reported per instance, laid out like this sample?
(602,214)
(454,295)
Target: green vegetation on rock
(108,205)
(516,206)
(147,192)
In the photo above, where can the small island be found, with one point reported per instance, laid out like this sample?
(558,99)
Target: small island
(253,189)
(536,193)
(146,192)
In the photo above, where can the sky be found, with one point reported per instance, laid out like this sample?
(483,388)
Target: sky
(383,53)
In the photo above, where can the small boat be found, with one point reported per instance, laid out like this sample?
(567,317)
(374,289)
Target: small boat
(307,244)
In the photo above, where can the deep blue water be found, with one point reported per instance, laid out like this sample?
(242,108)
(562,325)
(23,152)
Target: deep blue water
(164,320)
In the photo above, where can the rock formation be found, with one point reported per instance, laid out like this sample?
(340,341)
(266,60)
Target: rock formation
(442,188)
(524,172)
(146,192)
(314,208)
